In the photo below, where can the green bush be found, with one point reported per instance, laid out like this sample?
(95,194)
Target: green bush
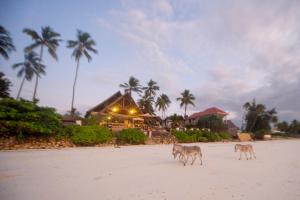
(224,135)
(131,136)
(24,118)
(184,137)
(90,135)
(199,136)
(260,133)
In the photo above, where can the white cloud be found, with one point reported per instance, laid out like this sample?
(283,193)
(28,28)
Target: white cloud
(226,54)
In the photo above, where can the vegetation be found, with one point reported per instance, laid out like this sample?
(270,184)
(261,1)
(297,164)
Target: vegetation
(162,103)
(146,104)
(204,135)
(293,127)
(133,85)
(29,68)
(151,88)
(131,136)
(213,122)
(4,86)
(48,39)
(176,120)
(81,47)
(186,99)
(23,118)
(258,119)
(6,43)
(90,135)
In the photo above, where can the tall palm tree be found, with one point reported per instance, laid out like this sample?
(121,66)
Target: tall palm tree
(162,103)
(151,88)
(257,117)
(48,39)
(186,99)
(133,85)
(82,46)
(29,68)
(6,43)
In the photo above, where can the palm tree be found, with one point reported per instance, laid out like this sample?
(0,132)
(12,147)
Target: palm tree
(4,86)
(257,117)
(133,85)
(162,103)
(29,68)
(6,43)
(186,99)
(48,39)
(82,46)
(151,88)
(146,104)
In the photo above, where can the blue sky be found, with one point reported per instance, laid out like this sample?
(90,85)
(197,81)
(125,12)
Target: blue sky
(225,52)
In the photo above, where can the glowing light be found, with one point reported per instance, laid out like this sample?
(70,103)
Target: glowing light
(109,117)
(115,109)
(132,111)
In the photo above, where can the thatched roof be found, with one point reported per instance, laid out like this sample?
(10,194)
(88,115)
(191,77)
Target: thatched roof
(109,102)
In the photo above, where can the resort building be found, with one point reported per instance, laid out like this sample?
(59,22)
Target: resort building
(230,126)
(121,111)
(194,118)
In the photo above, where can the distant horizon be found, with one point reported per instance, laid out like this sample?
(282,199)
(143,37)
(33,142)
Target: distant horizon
(225,53)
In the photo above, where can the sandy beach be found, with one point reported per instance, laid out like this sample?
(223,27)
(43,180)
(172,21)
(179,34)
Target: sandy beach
(150,172)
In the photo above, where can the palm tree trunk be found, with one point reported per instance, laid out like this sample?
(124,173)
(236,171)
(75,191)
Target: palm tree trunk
(37,75)
(73,95)
(185,122)
(21,86)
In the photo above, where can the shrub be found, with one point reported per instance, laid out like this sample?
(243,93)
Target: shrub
(131,136)
(184,137)
(90,135)
(260,134)
(24,118)
(198,136)
(224,135)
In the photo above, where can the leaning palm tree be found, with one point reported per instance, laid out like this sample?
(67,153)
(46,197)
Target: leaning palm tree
(186,99)
(151,88)
(29,68)
(6,43)
(162,103)
(133,85)
(81,47)
(48,39)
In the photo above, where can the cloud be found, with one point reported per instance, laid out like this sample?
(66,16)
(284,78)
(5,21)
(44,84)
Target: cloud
(226,53)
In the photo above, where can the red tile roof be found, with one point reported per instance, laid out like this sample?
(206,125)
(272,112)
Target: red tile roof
(208,111)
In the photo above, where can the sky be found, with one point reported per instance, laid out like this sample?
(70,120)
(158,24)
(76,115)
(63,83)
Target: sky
(225,52)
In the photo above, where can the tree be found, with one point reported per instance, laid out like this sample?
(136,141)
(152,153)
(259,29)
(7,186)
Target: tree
(258,118)
(146,104)
(162,103)
(4,86)
(29,68)
(177,120)
(6,43)
(283,126)
(82,46)
(48,39)
(151,88)
(294,127)
(133,85)
(186,99)
(213,122)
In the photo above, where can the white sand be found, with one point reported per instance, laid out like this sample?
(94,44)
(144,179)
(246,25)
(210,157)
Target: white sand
(149,172)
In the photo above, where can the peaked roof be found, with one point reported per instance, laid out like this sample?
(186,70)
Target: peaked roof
(209,111)
(110,101)
(230,124)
